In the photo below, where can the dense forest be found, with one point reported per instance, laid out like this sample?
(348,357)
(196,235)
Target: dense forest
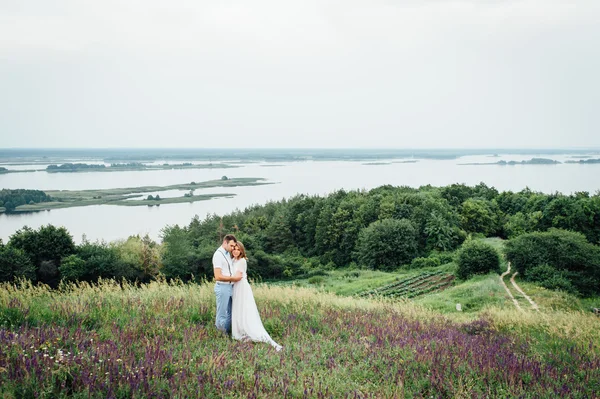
(553,238)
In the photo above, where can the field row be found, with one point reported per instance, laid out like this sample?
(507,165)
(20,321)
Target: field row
(411,287)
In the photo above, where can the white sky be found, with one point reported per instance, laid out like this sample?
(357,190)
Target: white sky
(369,73)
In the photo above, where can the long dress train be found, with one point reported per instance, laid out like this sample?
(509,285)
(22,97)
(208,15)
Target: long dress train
(245,319)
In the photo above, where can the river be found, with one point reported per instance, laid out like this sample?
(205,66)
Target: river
(110,222)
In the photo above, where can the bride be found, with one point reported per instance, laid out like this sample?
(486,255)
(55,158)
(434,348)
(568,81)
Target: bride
(245,320)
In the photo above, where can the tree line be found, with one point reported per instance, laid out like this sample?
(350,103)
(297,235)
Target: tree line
(10,199)
(385,228)
(72,167)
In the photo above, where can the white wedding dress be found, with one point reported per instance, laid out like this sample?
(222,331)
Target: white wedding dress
(245,320)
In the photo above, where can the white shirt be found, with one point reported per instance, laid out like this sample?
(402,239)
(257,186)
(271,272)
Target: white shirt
(222,260)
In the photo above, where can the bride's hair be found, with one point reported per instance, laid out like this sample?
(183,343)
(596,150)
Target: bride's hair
(242,250)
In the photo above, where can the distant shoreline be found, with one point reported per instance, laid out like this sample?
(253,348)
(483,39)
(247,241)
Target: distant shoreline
(58,155)
(141,168)
(532,161)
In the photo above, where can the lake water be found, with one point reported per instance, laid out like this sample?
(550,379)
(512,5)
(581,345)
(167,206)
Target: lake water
(110,222)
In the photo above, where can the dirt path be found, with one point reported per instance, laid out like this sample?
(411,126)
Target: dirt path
(506,273)
(512,280)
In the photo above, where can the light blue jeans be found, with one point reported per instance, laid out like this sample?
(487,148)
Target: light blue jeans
(223,293)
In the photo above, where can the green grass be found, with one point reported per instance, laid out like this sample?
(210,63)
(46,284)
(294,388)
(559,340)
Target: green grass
(348,282)
(159,340)
(473,295)
(555,300)
(174,200)
(495,242)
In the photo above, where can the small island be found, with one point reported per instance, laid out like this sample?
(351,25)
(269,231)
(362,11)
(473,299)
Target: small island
(131,166)
(585,161)
(18,201)
(532,161)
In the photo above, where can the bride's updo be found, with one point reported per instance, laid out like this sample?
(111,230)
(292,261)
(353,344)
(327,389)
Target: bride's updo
(240,246)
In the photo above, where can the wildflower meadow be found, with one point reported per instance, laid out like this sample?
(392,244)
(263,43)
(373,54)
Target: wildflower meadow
(114,340)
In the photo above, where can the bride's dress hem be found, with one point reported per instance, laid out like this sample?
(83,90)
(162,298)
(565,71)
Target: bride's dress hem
(246,324)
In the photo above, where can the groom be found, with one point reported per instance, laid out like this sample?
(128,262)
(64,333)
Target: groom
(224,277)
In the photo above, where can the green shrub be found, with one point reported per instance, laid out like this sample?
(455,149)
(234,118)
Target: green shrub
(567,252)
(14,263)
(265,265)
(317,272)
(443,257)
(351,274)
(476,257)
(387,244)
(45,247)
(549,277)
(73,268)
(316,280)
(420,263)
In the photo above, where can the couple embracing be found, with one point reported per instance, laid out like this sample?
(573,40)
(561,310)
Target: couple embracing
(237,313)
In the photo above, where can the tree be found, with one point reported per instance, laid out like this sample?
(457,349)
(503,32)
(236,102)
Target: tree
(14,263)
(441,235)
(45,247)
(477,216)
(387,244)
(10,199)
(73,268)
(476,257)
(346,226)
(456,194)
(278,235)
(567,252)
(177,254)
(140,257)
(521,223)
(102,261)
(304,226)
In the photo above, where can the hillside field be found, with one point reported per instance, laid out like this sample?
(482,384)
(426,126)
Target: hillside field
(158,340)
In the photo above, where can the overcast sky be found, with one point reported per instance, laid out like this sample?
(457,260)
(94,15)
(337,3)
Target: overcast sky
(310,74)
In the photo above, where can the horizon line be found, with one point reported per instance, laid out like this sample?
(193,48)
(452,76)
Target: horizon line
(303,148)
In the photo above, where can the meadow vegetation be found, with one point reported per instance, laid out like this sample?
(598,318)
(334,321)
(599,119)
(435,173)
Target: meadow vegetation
(394,292)
(158,340)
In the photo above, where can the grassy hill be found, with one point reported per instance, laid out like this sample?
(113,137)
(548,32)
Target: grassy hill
(158,340)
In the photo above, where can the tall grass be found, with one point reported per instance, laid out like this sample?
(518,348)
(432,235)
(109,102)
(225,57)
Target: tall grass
(158,340)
